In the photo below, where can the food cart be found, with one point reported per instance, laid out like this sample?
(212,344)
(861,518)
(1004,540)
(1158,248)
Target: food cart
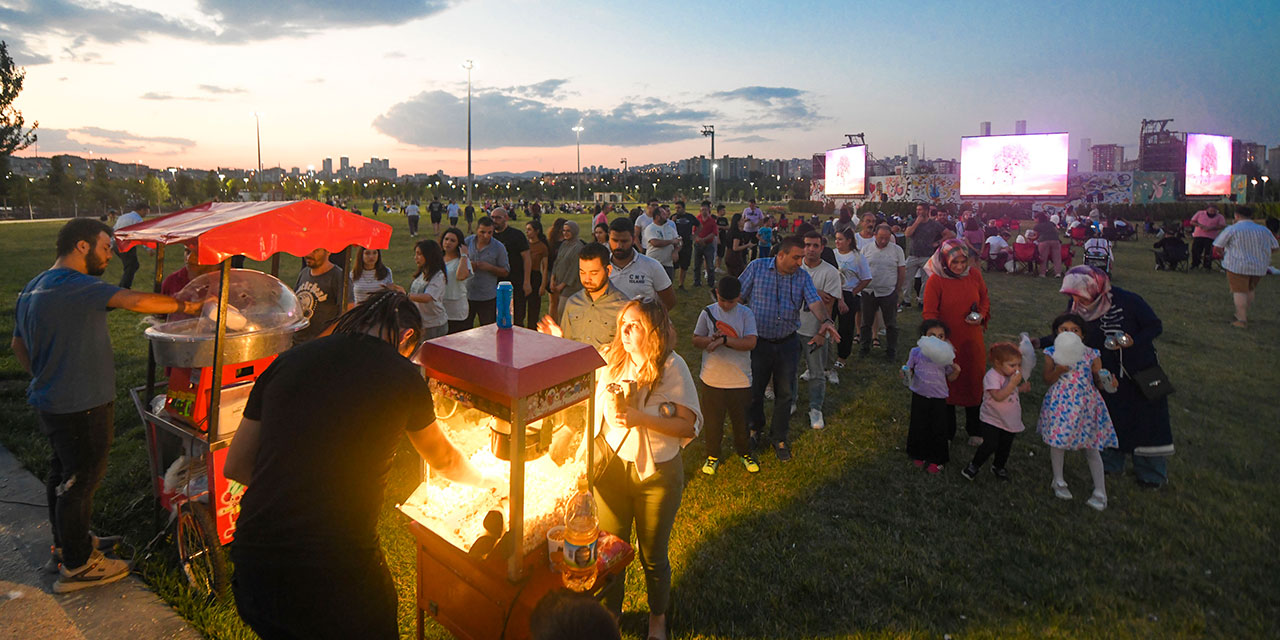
(191,417)
(514,401)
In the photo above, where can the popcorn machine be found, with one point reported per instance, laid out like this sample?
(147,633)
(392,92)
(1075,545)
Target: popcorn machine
(516,402)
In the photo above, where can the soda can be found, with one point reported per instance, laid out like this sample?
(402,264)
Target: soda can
(504,315)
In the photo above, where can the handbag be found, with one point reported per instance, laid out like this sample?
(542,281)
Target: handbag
(1153,383)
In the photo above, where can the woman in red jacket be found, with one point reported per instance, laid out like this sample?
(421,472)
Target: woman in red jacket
(956,294)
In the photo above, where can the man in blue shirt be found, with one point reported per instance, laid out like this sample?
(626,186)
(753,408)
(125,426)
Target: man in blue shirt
(776,289)
(61,339)
(489,262)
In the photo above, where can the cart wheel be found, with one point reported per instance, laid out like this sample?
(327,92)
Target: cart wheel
(200,552)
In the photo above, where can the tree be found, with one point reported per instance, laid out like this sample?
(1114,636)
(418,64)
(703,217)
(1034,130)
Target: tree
(12,136)
(155,191)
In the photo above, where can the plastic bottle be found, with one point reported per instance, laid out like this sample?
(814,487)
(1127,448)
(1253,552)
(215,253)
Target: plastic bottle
(505,297)
(581,529)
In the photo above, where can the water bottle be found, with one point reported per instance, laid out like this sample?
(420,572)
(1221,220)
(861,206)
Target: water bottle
(581,529)
(504,316)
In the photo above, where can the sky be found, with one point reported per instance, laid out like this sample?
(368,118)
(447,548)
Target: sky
(177,82)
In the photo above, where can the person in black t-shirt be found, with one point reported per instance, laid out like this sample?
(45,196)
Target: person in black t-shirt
(519,261)
(685,224)
(437,211)
(314,450)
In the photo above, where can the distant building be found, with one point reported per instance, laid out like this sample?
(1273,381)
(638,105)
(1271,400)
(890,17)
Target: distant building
(327,167)
(344,163)
(984,128)
(1243,152)
(1107,157)
(1020,127)
(1273,163)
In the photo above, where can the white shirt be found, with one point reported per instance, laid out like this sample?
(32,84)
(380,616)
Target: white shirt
(433,314)
(726,368)
(456,306)
(127,219)
(1247,248)
(665,231)
(853,268)
(751,219)
(642,221)
(996,244)
(645,446)
(884,265)
(643,277)
(411,210)
(861,242)
(1054,218)
(826,279)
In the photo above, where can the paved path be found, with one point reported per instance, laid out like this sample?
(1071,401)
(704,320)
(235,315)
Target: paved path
(29,609)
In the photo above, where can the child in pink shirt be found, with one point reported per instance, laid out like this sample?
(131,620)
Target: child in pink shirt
(1001,413)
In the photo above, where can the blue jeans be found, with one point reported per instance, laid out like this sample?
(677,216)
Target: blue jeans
(816,360)
(1150,469)
(704,254)
(774,362)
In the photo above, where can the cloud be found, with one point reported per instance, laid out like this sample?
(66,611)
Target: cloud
(81,23)
(108,141)
(772,107)
(749,139)
(242,19)
(160,95)
(761,95)
(545,89)
(216,90)
(500,119)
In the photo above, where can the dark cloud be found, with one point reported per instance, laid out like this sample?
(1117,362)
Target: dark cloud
(82,23)
(107,141)
(241,19)
(772,108)
(216,90)
(752,139)
(438,119)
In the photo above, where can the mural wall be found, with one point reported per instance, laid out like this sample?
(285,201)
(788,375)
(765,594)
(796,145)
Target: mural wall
(938,189)
(1153,186)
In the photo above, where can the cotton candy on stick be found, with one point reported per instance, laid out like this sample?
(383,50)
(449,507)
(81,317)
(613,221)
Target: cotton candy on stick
(1028,355)
(937,350)
(1068,349)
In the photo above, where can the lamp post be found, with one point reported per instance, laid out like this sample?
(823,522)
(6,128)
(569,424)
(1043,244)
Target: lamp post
(468,65)
(577,130)
(710,130)
(257,132)
(1265,179)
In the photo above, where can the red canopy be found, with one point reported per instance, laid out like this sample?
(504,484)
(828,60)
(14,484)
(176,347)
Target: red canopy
(257,230)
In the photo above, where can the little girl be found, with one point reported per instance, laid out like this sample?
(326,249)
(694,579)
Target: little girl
(1073,415)
(927,440)
(1001,413)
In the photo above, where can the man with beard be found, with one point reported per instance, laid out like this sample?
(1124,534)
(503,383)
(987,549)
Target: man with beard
(638,276)
(590,316)
(519,262)
(319,288)
(61,339)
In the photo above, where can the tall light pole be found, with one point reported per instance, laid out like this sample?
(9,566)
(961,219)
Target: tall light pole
(1265,178)
(257,132)
(624,165)
(577,130)
(468,65)
(710,130)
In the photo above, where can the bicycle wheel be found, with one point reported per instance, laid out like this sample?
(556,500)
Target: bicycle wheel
(200,551)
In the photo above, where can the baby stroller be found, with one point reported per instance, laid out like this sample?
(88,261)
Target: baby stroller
(1097,253)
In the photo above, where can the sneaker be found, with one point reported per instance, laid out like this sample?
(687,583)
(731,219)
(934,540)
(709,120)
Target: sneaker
(970,472)
(804,377)
(782,451)
(815,419)
(105,543)
(918,463)
(99,570)
(752,465)
(975,441)
(1097,501)
(768,392)
(840,363)
(709,467)
(832,377)
(1060,491)
(1000,473)
(934,469)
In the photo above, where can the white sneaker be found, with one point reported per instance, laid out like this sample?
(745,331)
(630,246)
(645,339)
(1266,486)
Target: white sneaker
(768,392)
(1097,501)
(804,377)
(832,378)
(1060,491)
(815,419)
(99,570)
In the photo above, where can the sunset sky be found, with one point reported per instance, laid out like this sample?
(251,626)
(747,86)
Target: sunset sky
(176,82)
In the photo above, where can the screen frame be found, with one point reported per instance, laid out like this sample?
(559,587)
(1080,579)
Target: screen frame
(865,170)
(1066,185)
(1230,175)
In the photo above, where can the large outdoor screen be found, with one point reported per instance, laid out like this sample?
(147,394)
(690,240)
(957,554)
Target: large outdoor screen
(1024,165)
(847,171)
(1208,165)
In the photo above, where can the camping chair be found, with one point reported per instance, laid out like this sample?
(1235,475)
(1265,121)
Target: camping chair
(1068,256)
(1175,257)
(1025,254)
(1079,234)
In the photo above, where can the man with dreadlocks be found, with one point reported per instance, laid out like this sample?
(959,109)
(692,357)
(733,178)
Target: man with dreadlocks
(315,450)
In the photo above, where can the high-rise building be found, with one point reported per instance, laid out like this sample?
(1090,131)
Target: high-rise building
(1086,155)
(344,163)
(984,128)
(1107,157)
(327,166)
(1273,164)
(1020,127)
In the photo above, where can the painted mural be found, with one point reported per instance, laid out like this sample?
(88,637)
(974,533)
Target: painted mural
(938,189)
(1153,186)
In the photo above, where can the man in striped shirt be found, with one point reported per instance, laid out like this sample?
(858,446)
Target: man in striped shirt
(1247,247)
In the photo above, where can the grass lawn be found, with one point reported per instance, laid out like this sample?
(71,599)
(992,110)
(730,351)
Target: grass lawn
(849,539)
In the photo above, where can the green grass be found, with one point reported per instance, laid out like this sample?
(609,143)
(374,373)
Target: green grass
(849,539)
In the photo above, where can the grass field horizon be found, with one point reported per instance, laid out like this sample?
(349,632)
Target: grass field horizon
(850,540)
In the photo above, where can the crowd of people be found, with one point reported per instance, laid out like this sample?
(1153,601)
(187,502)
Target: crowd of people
(783,308)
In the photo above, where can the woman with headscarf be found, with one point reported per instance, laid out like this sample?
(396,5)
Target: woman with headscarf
(564,273)
(1142,425)
(956,294)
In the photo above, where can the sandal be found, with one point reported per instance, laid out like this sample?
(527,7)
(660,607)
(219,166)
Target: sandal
(876,343)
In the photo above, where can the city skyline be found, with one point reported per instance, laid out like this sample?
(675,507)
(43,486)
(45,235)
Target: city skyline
(178,83)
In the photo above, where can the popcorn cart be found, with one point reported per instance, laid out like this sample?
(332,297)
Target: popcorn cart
(516,402)
(213,360)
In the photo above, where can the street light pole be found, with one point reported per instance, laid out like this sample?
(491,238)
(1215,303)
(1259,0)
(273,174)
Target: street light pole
(710,130)
(257,132)
(577,130)
(468,65)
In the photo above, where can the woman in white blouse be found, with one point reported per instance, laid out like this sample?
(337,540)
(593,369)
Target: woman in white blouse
(643,481)
(457,268)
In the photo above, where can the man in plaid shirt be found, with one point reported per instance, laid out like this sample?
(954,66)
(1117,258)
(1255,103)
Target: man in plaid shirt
(776,289)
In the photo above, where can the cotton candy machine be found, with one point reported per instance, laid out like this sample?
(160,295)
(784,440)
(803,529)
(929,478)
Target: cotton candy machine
(516,402)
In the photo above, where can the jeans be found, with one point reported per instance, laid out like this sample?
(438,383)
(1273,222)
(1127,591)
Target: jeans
(972,421)
(533,302)
(342,599)
(1202,252)
(914,266)
(816,360)
(1149,469)
(718,403)
(413,225)
(129,260)
(848,323)
(704,253)
(623,498)
(486,311)
(888,307)
(994,440)
(774,362)
(80,442)
(518,303)
(671,272)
